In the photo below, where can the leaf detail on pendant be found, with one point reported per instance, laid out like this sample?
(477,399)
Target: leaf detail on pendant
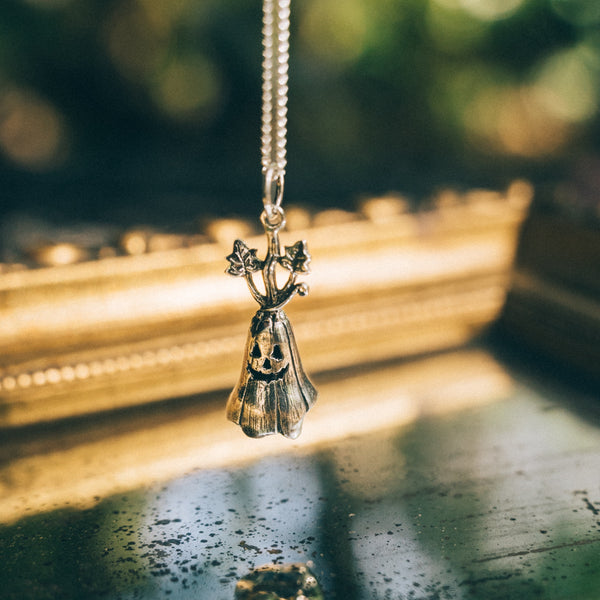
(296,258)
(243,260)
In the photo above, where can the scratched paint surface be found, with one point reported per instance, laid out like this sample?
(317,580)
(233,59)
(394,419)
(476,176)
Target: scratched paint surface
(499,501)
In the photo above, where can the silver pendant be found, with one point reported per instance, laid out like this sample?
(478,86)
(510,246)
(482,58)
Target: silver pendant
(273,392)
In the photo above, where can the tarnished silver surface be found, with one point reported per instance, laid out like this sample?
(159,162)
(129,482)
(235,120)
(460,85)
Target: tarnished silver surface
(273,392)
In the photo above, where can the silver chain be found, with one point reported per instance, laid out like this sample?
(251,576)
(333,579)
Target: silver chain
(276,44)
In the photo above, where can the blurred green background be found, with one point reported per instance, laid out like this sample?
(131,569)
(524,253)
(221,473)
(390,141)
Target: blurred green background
(148,111)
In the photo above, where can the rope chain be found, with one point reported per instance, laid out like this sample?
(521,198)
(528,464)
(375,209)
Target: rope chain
(275,66)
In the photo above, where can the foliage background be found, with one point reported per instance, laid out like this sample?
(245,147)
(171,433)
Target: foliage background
(147,111)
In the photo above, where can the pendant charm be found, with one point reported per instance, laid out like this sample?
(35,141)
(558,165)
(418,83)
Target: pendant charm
(273,393)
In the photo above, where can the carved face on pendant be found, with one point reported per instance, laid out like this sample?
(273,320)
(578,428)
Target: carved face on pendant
(267,360)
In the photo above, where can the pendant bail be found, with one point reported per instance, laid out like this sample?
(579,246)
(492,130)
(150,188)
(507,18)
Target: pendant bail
(273,217)
(273,179)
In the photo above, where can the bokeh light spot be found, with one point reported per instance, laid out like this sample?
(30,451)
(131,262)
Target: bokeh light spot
(164,15)
(32,132)
(566,85)
(509,120)
(452,30)
(524,129)
(189,88)
(335,31)
(136,42)
(486,10)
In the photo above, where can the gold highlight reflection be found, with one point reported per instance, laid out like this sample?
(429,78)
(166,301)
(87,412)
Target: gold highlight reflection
(168,323)
(79,467)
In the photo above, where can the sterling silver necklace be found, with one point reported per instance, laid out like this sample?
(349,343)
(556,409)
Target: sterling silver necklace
(273,392)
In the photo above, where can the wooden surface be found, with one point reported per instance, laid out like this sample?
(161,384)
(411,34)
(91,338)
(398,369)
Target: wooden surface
(452,476)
